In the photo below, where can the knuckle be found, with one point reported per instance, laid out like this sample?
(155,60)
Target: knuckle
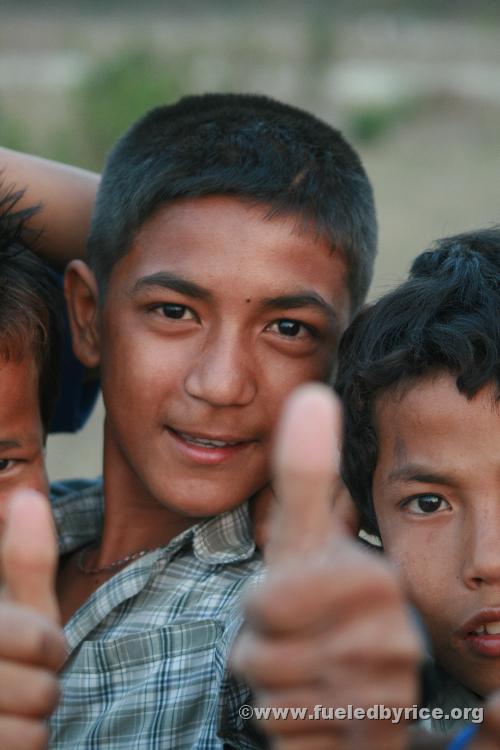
(385,583)
(23,734)
(38,639)
(46,693)
(43,643)
(38,737)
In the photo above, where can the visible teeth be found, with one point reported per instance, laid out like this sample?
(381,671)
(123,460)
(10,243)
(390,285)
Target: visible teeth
(204,441)
(492,628)
(481,630)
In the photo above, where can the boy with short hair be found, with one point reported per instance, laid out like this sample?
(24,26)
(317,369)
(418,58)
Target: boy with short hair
(233,237)
(419,377)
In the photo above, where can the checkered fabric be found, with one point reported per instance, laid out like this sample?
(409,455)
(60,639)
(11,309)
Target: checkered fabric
(148,650)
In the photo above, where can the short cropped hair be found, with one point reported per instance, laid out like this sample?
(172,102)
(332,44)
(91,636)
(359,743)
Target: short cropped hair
(446,317)
(30,302)
(246,146)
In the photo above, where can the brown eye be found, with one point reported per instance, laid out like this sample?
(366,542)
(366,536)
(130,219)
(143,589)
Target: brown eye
(427,504)
(289,327)
(292,329)
(174,311)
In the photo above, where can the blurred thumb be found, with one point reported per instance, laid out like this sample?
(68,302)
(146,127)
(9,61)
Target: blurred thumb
(345,513)
(29,554)
(306,463)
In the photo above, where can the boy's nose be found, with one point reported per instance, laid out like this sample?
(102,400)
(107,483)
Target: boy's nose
(482,555)
(223,374)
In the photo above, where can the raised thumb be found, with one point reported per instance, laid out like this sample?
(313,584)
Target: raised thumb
(29,553)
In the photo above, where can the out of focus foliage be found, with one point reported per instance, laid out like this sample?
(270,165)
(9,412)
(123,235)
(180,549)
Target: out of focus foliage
(114,94)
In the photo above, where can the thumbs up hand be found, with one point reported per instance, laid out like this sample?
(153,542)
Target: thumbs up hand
(329,626)
(32,646)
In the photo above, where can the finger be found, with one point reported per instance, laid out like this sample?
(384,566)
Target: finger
(379,735)
(306,465)
(323,596)
(270,663)
(326,741)
(296,712)
(22,734)
(26,636)
(27,691)
(29,554)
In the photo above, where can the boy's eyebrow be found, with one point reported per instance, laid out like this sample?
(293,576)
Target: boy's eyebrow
(6,445)
(418,473)
(302,299)
(169,280)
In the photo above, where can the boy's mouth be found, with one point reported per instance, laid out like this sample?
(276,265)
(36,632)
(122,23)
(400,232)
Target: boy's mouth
(208,449)
(207,442)
(491,628)
(482,633)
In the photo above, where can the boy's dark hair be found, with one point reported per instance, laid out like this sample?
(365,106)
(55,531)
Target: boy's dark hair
(445,317)
(30,302)
(239,145)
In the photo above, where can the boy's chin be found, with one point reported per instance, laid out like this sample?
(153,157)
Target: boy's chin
(202,503)
(482,679)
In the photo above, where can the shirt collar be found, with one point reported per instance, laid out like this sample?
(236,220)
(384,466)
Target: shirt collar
(218,540)
(225,538)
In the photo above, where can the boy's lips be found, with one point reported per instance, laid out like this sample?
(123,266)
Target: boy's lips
(207,448)
(482,632)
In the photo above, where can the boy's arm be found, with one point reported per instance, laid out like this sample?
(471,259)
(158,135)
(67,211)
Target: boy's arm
(66,195)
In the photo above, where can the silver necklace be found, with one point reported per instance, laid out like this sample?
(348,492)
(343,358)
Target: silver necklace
(80,560)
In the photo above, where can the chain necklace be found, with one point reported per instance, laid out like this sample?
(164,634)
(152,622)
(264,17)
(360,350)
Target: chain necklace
(83,568)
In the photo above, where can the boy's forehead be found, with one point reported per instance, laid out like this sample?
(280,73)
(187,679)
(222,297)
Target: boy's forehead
(19,398)
(429,418)
(226,240)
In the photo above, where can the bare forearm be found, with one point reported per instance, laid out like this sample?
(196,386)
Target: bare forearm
(66,195)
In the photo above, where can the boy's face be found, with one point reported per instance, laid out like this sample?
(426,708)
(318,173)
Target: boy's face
(21,432)
(436,492)
(210,320)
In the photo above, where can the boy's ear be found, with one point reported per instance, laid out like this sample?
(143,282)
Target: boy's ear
(82,297)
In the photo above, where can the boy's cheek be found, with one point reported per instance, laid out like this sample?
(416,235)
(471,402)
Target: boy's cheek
(418,563)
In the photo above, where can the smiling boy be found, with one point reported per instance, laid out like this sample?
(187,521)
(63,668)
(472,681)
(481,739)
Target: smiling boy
(419,377)
(214,314)
(232,239)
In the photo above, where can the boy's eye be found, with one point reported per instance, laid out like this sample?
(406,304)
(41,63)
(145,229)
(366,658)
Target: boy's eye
(5,463)
(178,312)
(426,504)
(290,328)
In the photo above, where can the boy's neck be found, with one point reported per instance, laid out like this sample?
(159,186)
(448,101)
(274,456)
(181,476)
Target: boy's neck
(133,519)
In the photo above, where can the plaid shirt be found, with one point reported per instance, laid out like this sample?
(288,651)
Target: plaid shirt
(148,650)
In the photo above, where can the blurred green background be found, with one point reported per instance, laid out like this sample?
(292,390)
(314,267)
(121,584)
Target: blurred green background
(414,85)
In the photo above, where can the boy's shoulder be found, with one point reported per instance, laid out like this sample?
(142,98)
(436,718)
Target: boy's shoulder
(78,511)
(63,489)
